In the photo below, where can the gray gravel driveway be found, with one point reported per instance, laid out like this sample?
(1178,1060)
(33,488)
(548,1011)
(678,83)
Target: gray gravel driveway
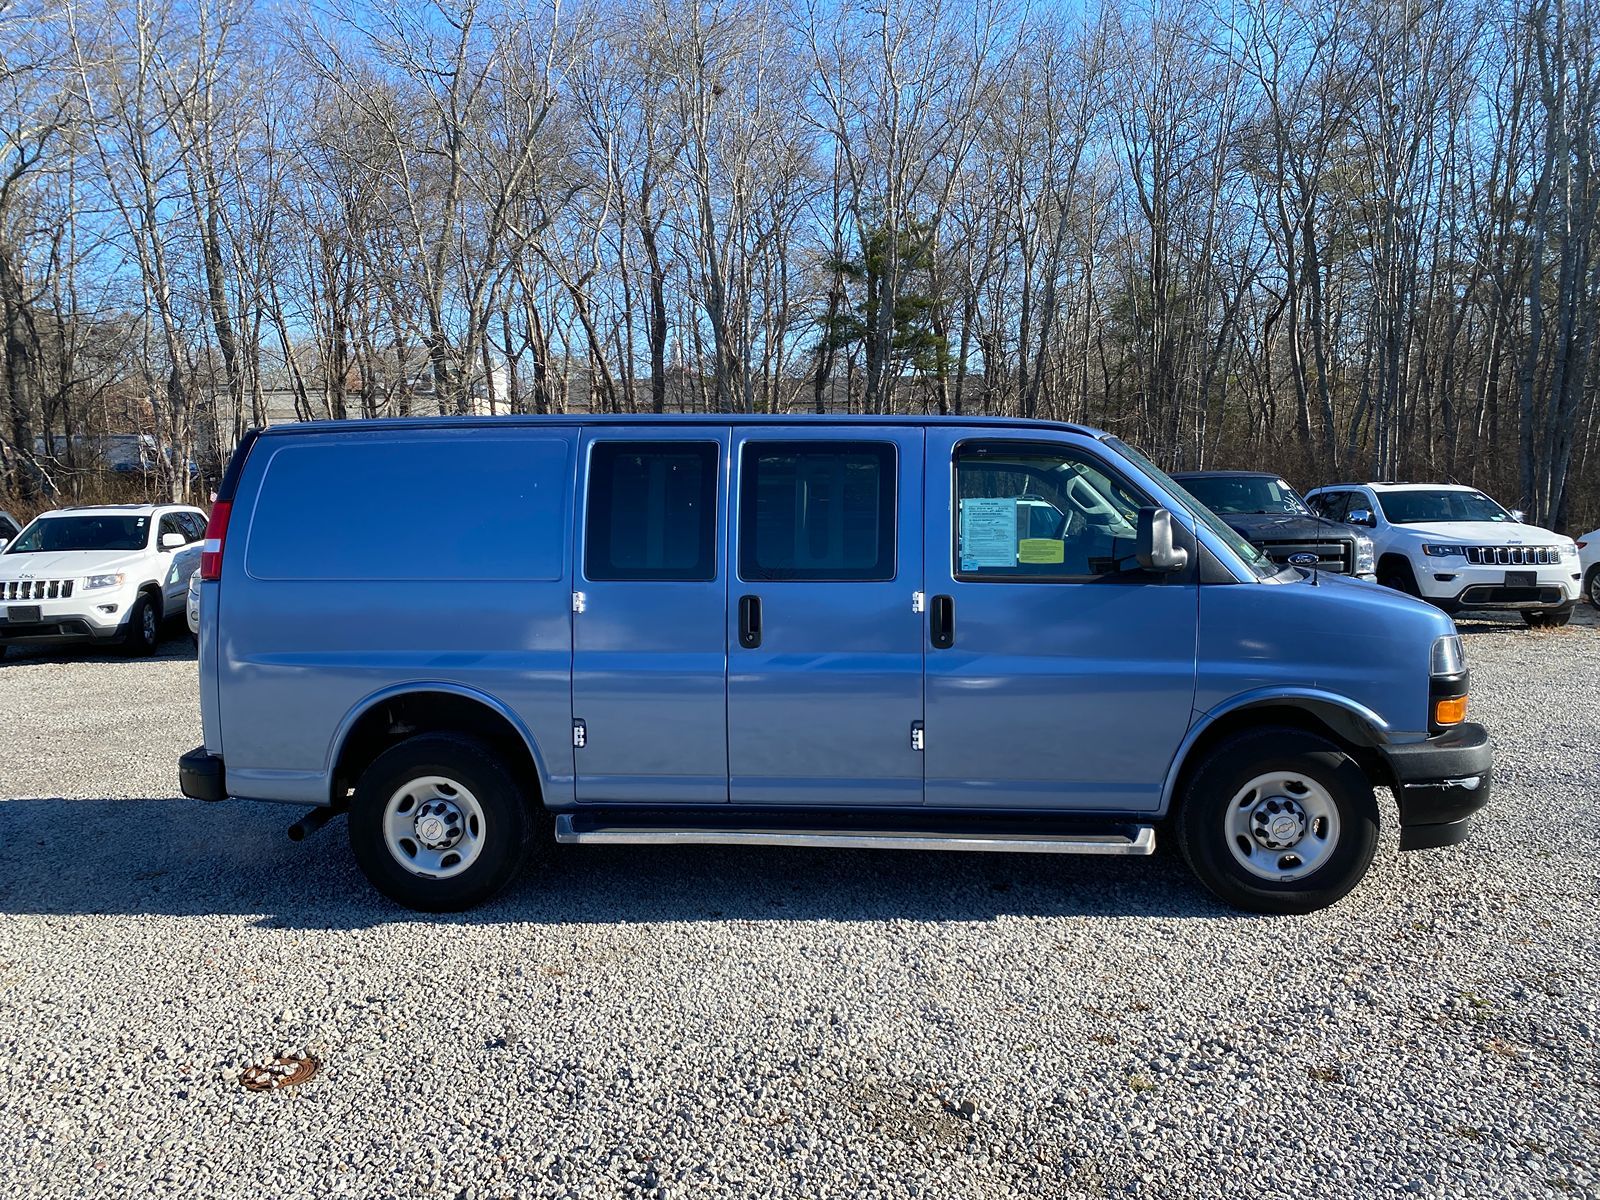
(718,1023)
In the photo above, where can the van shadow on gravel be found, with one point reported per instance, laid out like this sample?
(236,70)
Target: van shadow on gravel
(178,857)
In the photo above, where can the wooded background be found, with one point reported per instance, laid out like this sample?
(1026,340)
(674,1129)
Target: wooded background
(1338,239)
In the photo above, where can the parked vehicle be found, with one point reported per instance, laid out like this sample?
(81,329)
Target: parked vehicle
(1455,548)
(191,608)
(1271,515)
(99,574)
(9,528)
(823,632)
(1589,565)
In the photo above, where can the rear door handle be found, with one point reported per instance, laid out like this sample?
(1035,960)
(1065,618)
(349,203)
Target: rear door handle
(749,621)
(942,622)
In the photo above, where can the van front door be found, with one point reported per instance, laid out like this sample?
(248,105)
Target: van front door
(1060,675)
(824,643)
(649,667)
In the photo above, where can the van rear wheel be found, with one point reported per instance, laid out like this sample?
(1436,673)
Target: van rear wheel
(439,823)
(1278,820)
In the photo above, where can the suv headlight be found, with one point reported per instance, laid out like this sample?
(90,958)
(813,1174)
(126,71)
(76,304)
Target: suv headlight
(1445,551)
(1570,550)
(1366,560)
(103,581)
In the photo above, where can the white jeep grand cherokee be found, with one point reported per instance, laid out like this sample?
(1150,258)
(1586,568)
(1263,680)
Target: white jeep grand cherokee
(1457,549)
(99,574)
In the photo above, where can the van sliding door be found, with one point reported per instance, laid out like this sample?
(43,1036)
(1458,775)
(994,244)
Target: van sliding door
(824,639)
(649,702)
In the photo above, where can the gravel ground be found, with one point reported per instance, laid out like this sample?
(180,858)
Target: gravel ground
(707,1023)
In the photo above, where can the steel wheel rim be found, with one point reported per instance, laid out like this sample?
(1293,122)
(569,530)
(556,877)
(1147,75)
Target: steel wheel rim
(433,827)
(1281,826)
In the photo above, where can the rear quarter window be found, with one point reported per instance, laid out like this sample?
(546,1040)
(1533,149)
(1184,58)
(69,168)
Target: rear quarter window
(490,506)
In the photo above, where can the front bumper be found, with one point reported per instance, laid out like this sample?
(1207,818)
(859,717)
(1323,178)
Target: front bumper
(1440,783)
(202,776)
(1455,588)
(82,618)
(57,630)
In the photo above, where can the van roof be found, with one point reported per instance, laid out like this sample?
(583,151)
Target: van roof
(791,420)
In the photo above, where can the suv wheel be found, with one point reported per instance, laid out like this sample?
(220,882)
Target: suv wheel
(439,824)
(1397,574)
(144,629)
(1591,586)
(1278,820)
(1547,618)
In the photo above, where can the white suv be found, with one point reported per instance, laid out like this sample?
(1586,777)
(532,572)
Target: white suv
(1456,548)
(99,574)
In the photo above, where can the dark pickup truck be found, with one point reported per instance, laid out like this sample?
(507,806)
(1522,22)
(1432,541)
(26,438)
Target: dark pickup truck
(1270,514)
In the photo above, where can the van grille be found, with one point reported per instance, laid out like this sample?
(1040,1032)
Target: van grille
(35,589)
(1334,557)
(1513,556)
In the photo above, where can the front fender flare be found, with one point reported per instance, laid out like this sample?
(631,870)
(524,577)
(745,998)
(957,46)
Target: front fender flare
(1356,723)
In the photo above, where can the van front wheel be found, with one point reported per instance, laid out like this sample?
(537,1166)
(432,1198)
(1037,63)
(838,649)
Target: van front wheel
(1278,820)
(438,823)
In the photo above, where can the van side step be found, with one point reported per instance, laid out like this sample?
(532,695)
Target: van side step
(681,829)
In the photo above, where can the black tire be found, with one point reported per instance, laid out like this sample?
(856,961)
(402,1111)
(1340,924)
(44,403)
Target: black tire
(1207,806)
(1547,618)
(506,829)
(1591,586)
(1397,574)
(143,634)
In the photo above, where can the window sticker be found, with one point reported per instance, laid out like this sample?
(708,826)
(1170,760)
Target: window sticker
(988,533)
(1041,550)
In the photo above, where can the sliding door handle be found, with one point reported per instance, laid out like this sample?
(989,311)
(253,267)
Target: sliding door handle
(942,622)
(749,621)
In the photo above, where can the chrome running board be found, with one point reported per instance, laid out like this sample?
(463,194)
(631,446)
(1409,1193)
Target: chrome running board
(583,829)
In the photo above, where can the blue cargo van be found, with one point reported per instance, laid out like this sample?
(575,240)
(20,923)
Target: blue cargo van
(471,634)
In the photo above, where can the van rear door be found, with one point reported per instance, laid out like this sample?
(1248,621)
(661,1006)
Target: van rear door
(824,642)
(650,645)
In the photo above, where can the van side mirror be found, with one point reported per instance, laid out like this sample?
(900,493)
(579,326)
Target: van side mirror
(173,541)
(1360,516)
(1155,550)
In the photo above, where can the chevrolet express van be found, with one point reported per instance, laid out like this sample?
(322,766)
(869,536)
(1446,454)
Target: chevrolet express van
(992,635)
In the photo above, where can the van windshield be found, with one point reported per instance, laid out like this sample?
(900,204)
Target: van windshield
(1258,562)
(82,533)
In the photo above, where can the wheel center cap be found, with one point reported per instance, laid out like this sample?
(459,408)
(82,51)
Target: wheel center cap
(1278,823)
(438,825)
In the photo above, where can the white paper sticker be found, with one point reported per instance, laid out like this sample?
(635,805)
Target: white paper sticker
(988,533)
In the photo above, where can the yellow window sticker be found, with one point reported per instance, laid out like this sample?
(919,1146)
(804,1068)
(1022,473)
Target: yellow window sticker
(1041,550)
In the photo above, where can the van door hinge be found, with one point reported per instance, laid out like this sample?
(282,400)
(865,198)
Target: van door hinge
(918,602)
(918,741)
(580,734)
(579,602)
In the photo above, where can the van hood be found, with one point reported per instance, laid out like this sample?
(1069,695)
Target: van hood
(67,564)
(1484,533)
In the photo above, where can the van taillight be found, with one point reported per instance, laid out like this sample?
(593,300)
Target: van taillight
(216,535)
